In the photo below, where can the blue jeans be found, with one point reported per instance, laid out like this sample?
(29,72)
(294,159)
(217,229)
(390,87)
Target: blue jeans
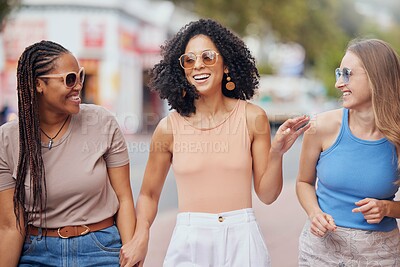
(100,248)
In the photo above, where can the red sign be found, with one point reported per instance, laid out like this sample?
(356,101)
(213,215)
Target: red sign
(19,34)
(93,34)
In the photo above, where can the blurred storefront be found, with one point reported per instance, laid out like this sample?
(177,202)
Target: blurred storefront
(116,41)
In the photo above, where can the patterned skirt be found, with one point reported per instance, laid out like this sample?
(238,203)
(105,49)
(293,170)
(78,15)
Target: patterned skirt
(349,247)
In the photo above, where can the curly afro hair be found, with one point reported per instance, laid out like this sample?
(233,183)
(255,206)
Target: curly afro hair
(168,78)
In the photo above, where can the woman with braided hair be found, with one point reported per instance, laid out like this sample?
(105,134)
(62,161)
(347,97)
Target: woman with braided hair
(65,195)
(218,145)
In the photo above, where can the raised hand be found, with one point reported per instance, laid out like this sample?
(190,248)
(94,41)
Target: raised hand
(288,132)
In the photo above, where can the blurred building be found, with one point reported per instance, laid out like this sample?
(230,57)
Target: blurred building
(284,97)
(117,41)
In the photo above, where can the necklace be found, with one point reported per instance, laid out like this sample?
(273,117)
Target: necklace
(50,145)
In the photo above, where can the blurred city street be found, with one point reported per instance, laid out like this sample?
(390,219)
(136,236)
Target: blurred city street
(296,45)
(281,222)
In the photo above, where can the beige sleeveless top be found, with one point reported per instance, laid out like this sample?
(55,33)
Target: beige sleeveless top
(213,166)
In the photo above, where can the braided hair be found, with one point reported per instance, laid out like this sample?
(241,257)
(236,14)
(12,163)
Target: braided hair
(168,78)
(37,59)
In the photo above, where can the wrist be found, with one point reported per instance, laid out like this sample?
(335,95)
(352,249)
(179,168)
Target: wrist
(142,227)
(313,213)
(275,153)
(387,211)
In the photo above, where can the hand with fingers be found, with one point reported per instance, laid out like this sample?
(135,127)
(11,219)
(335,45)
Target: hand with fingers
(288,132)
(133,253)
(373,210)
(321,223)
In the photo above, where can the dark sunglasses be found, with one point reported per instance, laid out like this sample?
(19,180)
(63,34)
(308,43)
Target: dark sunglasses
(71,79)
(209,58)
(345,73)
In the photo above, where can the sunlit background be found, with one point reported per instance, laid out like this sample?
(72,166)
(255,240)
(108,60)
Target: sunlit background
(297,45)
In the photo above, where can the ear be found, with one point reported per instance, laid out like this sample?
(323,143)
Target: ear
(39,86)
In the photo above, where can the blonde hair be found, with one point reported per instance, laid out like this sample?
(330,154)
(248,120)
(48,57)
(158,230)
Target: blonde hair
(382,65)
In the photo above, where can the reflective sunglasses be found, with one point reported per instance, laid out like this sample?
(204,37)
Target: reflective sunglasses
(345,73)
(209,58)
(71,79)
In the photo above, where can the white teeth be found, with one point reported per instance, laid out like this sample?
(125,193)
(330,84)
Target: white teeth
(346,93)
(201,76)
(76,97)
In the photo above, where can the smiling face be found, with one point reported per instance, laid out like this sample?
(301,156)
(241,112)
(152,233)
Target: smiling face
(54,95)
(207,79)
(356,93)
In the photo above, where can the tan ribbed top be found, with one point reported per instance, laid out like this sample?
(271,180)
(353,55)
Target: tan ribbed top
(213,166)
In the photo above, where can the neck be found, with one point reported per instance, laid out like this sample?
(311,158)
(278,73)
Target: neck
(211,105)
(52,131)
(51,119)
(363,123)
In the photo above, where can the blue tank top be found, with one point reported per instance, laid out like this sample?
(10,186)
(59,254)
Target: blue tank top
(353,169)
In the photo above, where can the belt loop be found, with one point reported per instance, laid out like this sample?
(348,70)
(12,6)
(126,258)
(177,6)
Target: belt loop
(247,215)
(188,219)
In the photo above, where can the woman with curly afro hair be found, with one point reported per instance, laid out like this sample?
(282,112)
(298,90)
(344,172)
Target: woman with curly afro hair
(216,142)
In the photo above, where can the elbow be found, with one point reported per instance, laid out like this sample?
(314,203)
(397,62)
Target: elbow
(298,185)
(269,197)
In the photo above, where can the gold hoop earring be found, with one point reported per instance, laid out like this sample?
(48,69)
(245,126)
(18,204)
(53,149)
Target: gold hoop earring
(229,84)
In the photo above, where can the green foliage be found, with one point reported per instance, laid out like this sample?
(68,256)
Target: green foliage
(5,8)
(322,27)
(265,68)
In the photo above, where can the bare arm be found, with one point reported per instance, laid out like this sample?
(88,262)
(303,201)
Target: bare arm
(306,179)
(392,208)
(267,156)
(125,217)
(158,164)
(11,240)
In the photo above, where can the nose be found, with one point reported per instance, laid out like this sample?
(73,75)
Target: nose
(199,62)
(78,86)
(340,83)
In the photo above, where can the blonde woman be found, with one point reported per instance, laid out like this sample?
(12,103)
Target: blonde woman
(350,164)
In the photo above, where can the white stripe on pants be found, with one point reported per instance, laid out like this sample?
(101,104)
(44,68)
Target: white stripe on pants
(229,239)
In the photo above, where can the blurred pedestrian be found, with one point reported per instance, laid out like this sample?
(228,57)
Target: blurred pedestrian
(64,170)
(216,142)
(349,165)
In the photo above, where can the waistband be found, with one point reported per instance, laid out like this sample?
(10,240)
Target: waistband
(218,219)
(71,231)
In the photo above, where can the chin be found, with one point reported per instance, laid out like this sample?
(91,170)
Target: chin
(75,110)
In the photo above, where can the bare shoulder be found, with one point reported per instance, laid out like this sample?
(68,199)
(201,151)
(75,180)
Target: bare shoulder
(253,109)
(328,121)
(254,113)
(325,127)
(165,125)
(257,120)
(164,132)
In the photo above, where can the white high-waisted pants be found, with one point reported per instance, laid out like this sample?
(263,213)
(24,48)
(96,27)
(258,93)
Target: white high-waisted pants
(229,239)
